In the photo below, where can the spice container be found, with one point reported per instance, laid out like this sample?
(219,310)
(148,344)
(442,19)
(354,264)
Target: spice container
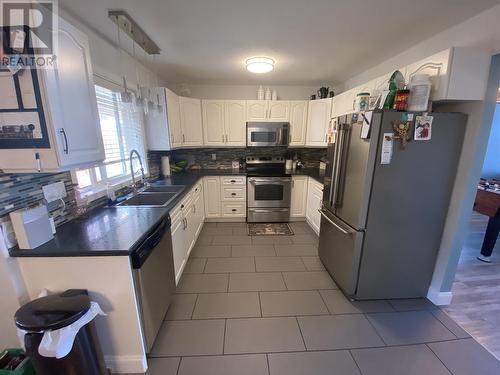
(401,100)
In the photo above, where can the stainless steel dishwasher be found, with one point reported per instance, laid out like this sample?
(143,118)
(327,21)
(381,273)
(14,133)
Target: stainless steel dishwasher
(153,268)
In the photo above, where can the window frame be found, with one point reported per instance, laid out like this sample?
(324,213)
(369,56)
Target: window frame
(98,187)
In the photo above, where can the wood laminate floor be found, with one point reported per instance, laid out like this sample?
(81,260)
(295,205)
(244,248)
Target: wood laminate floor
(476,291)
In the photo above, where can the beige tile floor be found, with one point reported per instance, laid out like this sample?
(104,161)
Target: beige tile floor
(267,306)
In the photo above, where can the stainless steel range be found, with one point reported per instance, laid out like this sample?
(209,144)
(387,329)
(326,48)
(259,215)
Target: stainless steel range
(269,190)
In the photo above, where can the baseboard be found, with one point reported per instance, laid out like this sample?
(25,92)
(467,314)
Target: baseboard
(130,364)
(439,298)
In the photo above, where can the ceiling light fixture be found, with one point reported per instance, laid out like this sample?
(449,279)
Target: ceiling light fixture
(260,65)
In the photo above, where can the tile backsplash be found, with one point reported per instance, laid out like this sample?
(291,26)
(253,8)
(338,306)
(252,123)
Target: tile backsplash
(22,190)
(224,156)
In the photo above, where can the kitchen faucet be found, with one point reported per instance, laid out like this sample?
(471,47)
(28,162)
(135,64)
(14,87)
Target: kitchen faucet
(143,177)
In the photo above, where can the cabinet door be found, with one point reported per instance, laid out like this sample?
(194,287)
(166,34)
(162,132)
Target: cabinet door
(199,211)
(235,123)
(314,200)
(213,122)
(211,187)
(299,196)
(191,228)
(174,118)
(257,110)
(298,122)
(317,122)
(436,66)
(279,111)
(191,124)
(72,100)
(179,247)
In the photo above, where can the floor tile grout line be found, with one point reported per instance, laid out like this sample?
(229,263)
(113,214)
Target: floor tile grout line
(268,367)
(301,334)
(435,354)
(179,366)
(354,359)
(323,299)
(224,339)
(375,329)
(303,351)
(194,307)
(260,305)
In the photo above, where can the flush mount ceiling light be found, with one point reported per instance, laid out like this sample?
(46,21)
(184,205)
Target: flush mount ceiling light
(260,65)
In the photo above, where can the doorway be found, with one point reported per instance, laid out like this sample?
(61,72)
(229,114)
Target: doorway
(476,289)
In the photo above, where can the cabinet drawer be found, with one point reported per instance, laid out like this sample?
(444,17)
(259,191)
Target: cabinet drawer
(234,209)
(182,206)
(197,190)
(230,193)
(233,180)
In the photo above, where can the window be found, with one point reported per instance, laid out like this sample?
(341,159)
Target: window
(122,132)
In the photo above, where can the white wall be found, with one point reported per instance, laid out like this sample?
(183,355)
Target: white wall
(491,166)
(482,30)
(244,91)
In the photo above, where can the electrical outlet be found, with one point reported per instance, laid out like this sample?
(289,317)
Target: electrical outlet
(214,157)
(54,191)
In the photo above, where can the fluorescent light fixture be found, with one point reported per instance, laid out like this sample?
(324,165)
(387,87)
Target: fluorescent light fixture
(260,65)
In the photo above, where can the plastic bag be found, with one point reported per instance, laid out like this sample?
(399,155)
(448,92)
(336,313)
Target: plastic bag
(58,343)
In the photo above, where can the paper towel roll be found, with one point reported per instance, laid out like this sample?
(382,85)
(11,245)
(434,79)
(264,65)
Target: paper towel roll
(165,166)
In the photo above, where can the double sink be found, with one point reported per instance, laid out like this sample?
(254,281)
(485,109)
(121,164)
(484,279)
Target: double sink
(153,196)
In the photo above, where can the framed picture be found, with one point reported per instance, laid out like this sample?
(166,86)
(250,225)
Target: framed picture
(423,128)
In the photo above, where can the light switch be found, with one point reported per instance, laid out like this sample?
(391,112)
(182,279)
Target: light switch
(54,191)
(214,156)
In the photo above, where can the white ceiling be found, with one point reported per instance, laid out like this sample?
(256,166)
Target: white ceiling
(312,41)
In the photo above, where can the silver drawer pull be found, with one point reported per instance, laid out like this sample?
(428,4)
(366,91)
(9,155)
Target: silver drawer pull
(331,222)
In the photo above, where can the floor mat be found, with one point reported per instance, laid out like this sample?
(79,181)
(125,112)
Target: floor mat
(271,229)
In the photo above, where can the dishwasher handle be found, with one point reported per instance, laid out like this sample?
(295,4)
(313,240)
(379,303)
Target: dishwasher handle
(147,246)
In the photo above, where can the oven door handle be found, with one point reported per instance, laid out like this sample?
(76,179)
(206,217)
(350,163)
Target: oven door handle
(273,181)
(265,211)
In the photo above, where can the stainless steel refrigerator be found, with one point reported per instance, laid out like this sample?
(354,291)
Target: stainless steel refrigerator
(386,200)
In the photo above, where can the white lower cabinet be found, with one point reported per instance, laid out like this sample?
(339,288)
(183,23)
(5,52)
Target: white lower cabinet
(187,221)
(225,197)
(298,204)
(211,185)
(314,201)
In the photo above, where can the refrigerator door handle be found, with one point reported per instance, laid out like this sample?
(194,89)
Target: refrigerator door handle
(339,153)
(333,183)
(333,223)
(344,130)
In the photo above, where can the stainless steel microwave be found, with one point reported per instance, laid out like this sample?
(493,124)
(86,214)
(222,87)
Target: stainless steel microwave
(262,134)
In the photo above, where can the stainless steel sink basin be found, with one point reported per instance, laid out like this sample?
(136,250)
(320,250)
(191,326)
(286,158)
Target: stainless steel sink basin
(150,199)
(164,189)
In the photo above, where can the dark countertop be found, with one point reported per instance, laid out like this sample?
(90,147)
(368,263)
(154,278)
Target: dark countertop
(116,231)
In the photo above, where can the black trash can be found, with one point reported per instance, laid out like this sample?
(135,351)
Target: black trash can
(55,312)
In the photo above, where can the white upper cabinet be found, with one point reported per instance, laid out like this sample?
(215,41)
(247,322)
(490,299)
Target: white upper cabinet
(298,122)
(191,123)
(235,122)
(458,73)
(257,110)
(224,122)
(268,110)
(174,118)
(278,110)
(318,118)
(213,122)
(158,125)
(70,108)
(72,100)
